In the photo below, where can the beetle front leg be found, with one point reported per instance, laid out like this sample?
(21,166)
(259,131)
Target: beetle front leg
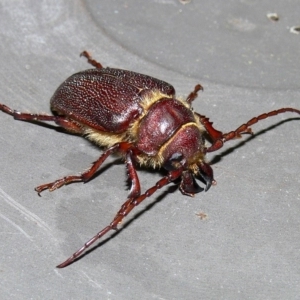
(88,174)
(123,212)
(220,138)
(213,133)
(135,189)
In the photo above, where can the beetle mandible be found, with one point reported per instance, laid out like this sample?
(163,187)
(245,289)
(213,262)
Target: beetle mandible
(139,117)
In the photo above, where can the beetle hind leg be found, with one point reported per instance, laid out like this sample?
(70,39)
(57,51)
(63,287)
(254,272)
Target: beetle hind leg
(62,121)
(22,116)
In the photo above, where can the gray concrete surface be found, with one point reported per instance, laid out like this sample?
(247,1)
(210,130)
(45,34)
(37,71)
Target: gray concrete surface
(248,247)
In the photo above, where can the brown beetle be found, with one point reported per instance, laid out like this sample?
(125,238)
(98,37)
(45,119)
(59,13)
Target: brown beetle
(139,117)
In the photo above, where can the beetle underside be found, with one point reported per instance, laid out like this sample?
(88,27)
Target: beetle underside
(154,130)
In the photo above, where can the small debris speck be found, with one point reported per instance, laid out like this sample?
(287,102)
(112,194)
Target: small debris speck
(273,16)
(202,215)
(185,1)
(295,29)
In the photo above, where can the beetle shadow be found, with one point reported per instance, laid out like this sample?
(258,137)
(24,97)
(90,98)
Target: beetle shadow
(218,157)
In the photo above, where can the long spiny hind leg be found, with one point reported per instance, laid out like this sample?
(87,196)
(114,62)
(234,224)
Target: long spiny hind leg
(62,121)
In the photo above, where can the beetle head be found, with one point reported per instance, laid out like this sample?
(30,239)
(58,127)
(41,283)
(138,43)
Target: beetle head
(186,150)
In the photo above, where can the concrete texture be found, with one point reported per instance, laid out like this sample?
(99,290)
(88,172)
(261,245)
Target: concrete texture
(248,245)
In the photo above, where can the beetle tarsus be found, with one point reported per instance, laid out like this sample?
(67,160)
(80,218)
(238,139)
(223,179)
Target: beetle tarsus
(194,94)
(90,60)
(6,109)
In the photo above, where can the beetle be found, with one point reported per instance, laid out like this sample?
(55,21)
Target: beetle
(140,118)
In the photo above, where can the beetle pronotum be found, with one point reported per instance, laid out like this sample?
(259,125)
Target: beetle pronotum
(139,117)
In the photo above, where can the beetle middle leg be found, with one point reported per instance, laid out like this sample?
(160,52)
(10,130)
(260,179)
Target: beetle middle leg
(89,173)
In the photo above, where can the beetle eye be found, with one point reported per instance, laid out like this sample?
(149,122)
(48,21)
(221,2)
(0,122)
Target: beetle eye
(174,162)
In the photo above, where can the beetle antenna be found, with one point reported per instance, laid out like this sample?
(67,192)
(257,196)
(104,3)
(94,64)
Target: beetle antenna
(126,208)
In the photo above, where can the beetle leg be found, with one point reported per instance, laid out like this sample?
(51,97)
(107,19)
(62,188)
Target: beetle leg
(211,131)
(221,138)
(188,185)
(135,189)
(123,212)
(193,95)
(17,115)
(91,60)
(206,172)
(85,176)
(67,124)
